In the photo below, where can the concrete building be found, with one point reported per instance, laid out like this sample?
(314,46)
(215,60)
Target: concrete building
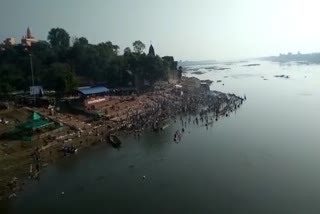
(9,42)
(28,39)
(93,98)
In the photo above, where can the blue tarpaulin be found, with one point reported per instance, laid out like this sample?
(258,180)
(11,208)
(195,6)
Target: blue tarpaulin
(94,90)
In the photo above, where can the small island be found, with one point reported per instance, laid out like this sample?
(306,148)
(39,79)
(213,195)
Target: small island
(282,76)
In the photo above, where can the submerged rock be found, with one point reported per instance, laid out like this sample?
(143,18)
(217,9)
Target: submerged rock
(208,82)
(282,76)
(251,65)
(198,72)
(217,68)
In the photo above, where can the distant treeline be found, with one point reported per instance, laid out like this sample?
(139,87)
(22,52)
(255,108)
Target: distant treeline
(290,57)
(61,65)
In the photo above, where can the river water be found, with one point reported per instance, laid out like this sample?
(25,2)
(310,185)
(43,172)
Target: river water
(264,158)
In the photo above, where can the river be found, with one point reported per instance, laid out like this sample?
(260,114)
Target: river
(264,158)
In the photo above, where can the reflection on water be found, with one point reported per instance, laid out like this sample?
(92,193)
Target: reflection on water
(264,158)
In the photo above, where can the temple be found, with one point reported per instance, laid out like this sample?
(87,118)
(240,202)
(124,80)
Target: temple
(151,51)
(28,39)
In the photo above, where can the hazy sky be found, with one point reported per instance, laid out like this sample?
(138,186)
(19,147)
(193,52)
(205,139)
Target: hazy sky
(186,29)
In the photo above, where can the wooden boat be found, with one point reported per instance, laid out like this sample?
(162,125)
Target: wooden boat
(114,140)
(69,149)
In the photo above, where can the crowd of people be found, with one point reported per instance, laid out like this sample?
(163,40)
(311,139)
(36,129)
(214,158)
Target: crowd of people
(164,105)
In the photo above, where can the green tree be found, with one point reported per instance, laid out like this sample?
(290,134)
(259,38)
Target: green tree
(60,78)
(138,47)
(108,49)
(43,53)
(11,78)
(82,41)
(127,51)
(116,49)
(153,68)
(58,37)
(170,60)
(58,66)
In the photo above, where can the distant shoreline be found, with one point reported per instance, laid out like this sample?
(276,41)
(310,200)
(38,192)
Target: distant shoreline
(311,58)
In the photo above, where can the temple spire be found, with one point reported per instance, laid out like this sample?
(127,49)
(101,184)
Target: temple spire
(151,51)
(29,35)
(28,39)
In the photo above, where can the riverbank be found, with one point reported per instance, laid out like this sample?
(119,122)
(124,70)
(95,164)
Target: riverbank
(131,116)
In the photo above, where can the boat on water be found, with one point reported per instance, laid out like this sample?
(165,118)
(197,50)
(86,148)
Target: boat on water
(114,140)
(69,149)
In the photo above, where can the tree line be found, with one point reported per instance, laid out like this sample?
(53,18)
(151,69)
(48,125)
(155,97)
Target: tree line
(63,63)
(298,57)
